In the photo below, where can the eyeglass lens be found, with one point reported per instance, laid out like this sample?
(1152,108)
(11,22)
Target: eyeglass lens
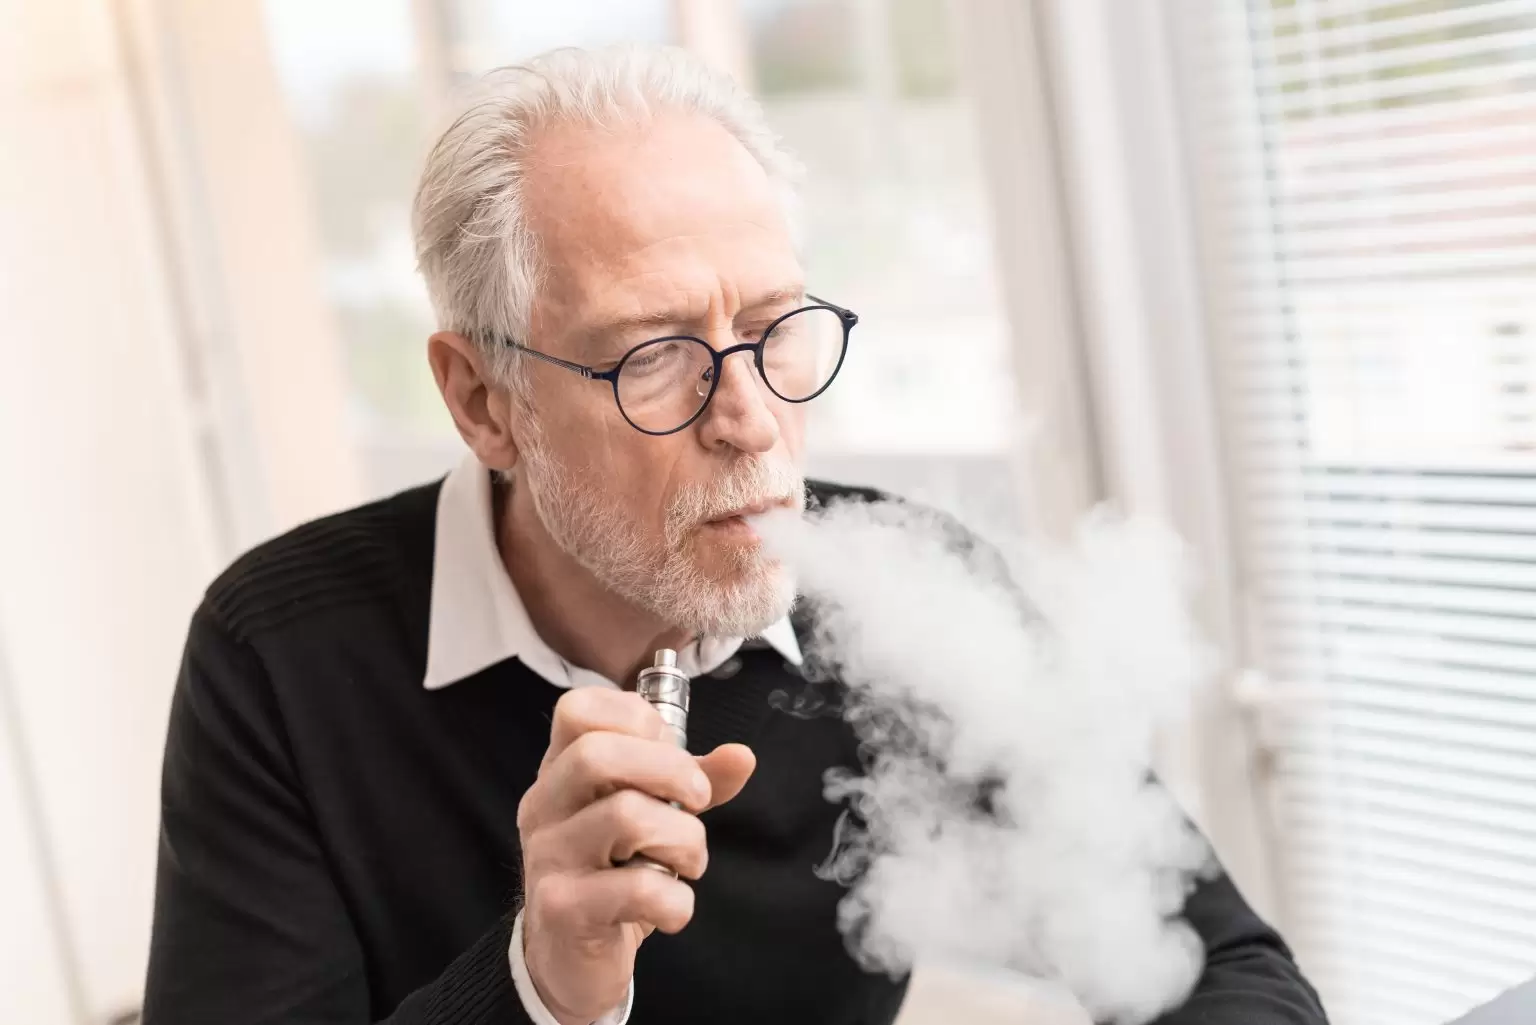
(663,384)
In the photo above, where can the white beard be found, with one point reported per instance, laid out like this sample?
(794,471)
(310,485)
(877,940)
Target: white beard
(667,580)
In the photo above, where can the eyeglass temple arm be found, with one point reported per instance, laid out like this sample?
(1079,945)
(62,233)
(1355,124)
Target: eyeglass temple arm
(842,311)
(587,372)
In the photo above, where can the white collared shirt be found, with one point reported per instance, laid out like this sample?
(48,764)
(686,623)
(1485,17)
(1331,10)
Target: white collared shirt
(477,620)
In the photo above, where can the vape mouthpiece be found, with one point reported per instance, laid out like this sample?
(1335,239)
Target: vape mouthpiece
(665,687)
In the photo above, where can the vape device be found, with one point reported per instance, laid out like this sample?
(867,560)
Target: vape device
(665,687)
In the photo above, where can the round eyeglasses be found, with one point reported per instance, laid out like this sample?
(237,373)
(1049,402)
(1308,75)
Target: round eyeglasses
(663,385)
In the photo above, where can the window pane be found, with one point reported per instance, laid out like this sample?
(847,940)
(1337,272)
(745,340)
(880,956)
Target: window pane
(350,72)
(868,96)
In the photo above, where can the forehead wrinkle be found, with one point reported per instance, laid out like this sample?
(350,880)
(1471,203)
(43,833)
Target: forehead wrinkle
(609,268)
(683,299)
(632,309)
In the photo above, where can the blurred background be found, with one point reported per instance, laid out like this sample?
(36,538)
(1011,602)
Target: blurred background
(1265,269)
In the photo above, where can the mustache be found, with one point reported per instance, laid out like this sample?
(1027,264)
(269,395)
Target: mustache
(747,481)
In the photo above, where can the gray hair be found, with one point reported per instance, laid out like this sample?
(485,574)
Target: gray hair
(474,246)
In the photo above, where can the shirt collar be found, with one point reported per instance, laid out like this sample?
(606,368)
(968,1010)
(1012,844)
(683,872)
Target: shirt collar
(478,620)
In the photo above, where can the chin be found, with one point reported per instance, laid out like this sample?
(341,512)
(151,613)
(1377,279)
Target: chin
(743,597)
(733,561)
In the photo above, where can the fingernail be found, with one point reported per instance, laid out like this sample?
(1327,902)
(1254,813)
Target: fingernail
(700,784)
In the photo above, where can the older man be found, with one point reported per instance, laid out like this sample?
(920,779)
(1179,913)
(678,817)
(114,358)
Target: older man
(406,765)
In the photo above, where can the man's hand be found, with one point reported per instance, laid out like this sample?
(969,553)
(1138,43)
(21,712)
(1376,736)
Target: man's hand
(601,797)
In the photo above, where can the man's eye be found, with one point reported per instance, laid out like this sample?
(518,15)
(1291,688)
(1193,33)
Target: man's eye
(613,359)
(658,357)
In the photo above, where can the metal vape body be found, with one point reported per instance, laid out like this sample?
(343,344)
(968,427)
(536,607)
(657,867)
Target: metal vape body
(665,688)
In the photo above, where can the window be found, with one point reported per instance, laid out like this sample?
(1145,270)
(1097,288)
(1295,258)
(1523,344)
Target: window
(1366,175)
(868,94)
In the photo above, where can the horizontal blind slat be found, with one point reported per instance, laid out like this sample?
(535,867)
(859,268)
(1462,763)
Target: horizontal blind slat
(1364,124)
(1310,618)
(1349,816)
(1403,865)
(1414,947)
(1405,566)
(1356,32)
(1513,658)
(1401,593)
(1301,539)
(1332,890)
(1299,508)
(1446,138)
(1396,748)
(1360,57)
(1394,804)
(1360,96)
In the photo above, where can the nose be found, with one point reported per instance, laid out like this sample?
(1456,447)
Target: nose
(740,415)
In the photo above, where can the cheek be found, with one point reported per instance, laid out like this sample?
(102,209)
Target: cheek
(569,413)
(635,472)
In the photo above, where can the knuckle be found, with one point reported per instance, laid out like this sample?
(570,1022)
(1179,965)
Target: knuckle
(579,705)
(650,887)
(551,898)
(630,812)
(592,755)
(525,810)
(644,720)
(541,855)
(698,833)
(696,849)
(672,906)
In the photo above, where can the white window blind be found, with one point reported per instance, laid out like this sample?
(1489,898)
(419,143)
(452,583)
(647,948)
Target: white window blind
(1365,172)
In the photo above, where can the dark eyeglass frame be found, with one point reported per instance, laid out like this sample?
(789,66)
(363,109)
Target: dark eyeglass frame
(847,316)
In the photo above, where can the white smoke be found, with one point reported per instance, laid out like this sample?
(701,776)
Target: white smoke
(1008,708)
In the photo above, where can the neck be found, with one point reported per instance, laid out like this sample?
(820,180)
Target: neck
(571,610)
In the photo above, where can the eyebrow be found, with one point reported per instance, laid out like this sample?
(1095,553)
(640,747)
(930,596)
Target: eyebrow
(675,317)
(775,296)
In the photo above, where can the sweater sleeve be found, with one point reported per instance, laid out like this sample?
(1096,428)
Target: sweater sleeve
(249,927)
(1249,976)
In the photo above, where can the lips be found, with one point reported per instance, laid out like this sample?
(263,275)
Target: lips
(755,509)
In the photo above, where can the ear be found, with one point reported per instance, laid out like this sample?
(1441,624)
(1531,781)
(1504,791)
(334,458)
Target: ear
(481,407)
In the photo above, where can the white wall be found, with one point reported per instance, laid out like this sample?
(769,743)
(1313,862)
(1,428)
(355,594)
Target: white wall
(34,981)
(171,390)
(105,532)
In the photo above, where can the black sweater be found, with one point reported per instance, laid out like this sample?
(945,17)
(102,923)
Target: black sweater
(339,845)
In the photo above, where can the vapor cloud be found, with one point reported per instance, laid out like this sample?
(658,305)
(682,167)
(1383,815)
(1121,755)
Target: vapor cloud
(1008,701)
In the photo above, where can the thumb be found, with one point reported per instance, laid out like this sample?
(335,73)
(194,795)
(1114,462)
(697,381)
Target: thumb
(728,767)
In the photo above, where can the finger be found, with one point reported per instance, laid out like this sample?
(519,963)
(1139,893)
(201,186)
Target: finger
(578,905)
(613,830)
(728,767)
(598,764)
(596,709)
